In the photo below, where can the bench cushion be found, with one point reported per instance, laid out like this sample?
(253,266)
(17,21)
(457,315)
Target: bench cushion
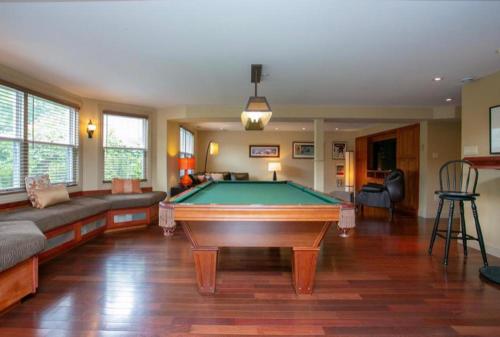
(19,240)
(147,199)
(58,215)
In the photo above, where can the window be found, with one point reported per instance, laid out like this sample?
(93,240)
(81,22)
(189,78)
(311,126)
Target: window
(125,142)
(37,136)
(186,141)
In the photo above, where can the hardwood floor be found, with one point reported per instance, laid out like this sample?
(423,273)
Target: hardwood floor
(378,282)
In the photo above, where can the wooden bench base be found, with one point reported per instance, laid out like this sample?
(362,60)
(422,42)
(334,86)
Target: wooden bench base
(69,236)
(18,282)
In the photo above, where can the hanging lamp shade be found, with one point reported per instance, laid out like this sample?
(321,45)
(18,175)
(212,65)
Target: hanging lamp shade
(257,112)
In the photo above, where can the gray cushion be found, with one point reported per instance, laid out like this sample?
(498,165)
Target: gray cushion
(19,240)
(147,199)
(60,214)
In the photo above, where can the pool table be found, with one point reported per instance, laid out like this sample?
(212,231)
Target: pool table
(253,214)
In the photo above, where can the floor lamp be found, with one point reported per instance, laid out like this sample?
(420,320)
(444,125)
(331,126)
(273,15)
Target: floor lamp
(213,150)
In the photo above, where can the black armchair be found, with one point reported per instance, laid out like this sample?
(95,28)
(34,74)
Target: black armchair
(384,196)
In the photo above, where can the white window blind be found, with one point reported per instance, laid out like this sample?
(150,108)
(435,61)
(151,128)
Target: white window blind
(186,145)
(52,131)
(125,142)
(37,136)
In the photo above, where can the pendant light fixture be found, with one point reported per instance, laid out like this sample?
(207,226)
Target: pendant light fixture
(257,112)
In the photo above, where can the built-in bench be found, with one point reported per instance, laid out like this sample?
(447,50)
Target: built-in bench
(67,225)
(20,242)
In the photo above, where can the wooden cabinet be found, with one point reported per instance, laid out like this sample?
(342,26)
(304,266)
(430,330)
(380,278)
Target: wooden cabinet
(407,159)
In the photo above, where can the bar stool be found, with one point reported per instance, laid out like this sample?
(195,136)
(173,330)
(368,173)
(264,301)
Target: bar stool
(457,183)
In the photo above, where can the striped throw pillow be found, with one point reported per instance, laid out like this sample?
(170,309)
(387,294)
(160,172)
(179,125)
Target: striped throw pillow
(125,186)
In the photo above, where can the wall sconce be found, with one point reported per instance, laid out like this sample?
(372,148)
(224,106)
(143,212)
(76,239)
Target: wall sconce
(90,129)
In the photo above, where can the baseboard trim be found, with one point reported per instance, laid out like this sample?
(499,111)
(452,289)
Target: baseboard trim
(490,250)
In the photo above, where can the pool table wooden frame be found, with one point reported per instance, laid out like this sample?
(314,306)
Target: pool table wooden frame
(211,226)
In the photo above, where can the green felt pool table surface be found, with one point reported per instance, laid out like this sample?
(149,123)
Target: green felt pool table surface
(254,193)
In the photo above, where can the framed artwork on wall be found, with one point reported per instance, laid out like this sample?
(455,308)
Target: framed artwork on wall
(264,151)
(340,174)
(495,129)
(338,150)
(303,150)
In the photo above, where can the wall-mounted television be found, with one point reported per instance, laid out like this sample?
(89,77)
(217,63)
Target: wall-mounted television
(383,156)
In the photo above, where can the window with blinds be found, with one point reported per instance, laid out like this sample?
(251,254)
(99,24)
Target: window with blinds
(37,136)
(125,143)
(186,145)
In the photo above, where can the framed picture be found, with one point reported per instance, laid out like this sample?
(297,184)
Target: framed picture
(264,151)
(303,150)
(338,150)
(495,129)
(340,170)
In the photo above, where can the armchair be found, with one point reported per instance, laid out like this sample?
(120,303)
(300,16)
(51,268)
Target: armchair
(383,196)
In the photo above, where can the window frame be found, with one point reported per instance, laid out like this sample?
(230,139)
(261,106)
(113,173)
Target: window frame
(24,138)
(146,164)
(184,154)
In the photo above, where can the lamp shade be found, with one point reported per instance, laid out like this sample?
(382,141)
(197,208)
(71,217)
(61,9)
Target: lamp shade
(257,113)
(186,163)
(91,127)
(214,149)
(274,166)
(349,170)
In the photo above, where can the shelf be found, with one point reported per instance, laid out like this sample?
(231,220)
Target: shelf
(486,162)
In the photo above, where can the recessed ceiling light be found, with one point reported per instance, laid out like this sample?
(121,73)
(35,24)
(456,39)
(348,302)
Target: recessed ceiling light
(437,79)
(449,99)
(276,128)
(222,129)
(336,129)
(303,128)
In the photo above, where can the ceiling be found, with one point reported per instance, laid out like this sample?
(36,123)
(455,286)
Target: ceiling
(163,53)
(273,126)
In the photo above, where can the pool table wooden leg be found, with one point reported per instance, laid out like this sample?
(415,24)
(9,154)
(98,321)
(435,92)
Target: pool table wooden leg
(205,260)
(304,269)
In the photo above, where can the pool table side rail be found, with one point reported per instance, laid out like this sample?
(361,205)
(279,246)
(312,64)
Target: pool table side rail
(192,212)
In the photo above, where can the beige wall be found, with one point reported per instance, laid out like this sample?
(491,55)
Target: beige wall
(477,98)
(92,158)
(440,142)
(91,155)
(15,77)
(233,154)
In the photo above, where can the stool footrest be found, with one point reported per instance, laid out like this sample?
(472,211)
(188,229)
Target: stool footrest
(467,236)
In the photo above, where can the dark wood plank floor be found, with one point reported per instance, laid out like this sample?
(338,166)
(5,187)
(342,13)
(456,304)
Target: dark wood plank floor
(379,282)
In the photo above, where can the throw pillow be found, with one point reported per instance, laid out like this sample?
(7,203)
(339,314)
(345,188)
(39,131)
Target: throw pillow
(125,186)
(33,183)
(51,195)
(217,176)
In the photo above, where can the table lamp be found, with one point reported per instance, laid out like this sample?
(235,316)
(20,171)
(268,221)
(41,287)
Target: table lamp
(273,167)
(186,164)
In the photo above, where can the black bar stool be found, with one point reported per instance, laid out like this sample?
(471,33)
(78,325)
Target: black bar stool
(457,182)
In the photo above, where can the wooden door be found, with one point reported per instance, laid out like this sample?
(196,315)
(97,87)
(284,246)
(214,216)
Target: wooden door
(361,164)
(408,160)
